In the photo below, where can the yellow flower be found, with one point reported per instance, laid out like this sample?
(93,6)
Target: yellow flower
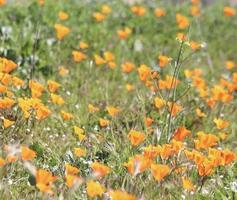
(94,189)
(121,195)
(80,133)
(187,184)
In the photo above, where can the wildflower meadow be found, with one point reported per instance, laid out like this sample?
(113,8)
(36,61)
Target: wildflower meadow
(118,99)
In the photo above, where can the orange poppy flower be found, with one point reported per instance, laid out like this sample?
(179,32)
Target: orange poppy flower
(200,113)
(69,169)
(66,115)
(124,33)
(106,9)
(230,64)
(138,10)
(174,108)
(113,111)
(56,99)
(44,180)
(136,137)
(7,123)
(41,2)
(228,156)
(53,86)
(181,132)
(6,103)
(17,82)
(205,168)
(144,72)
(182,21)
(229,11)
(61,31)
(42,112)
(108,56)
(5,78)
(160,12)
(129,87)
(2,162)
(151,152)
(83,45)
(78,56)
(137,164)
(99,17)
(195,11)
(104,122)
(63,15)
(181,37)
(63,71)
(160,171)
(163,60)
(205,140)
(27,153)
(99,60)
(148,121)
(159,103)
(72,180)
(79,152)
(2,2)
(127,67)
(6,65)
(221,124)
(100,170)
(194,45)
